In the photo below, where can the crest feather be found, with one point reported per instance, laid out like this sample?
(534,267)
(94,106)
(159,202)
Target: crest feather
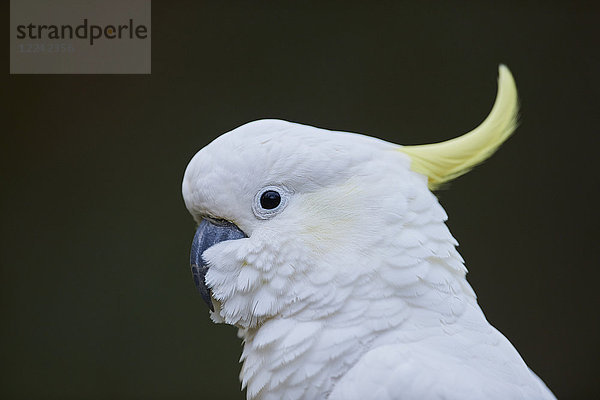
(444,161)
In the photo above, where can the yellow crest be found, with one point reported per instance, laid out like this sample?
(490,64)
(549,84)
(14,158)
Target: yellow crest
(444,161)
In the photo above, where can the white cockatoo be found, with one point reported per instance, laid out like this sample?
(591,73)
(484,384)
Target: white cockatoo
(331,255)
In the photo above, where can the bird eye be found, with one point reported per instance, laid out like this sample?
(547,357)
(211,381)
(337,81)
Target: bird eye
(270,199)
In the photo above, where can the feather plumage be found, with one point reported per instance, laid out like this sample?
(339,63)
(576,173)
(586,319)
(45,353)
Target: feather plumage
(353,289)
(444,161)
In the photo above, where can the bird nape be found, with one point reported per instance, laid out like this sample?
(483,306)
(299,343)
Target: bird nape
(330,254)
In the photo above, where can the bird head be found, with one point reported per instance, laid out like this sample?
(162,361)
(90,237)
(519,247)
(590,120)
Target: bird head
(293,218)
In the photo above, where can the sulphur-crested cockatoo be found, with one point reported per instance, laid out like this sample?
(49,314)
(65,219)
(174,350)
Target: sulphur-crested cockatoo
(331,255)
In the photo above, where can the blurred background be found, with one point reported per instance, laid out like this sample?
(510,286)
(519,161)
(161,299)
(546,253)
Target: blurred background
(97,299)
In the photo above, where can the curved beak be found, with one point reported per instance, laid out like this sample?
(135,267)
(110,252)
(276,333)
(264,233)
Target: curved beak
(208,234)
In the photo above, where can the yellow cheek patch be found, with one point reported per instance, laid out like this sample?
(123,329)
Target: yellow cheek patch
(444,161)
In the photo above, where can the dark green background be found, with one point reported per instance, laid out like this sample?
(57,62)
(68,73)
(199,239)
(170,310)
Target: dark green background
(97,299)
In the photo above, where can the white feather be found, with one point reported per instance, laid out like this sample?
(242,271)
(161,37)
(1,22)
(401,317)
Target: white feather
(355,290)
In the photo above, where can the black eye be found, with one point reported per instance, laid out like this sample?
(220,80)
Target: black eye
(270,200)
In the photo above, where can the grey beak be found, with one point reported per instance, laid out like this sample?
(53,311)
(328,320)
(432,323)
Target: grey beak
(208,234)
